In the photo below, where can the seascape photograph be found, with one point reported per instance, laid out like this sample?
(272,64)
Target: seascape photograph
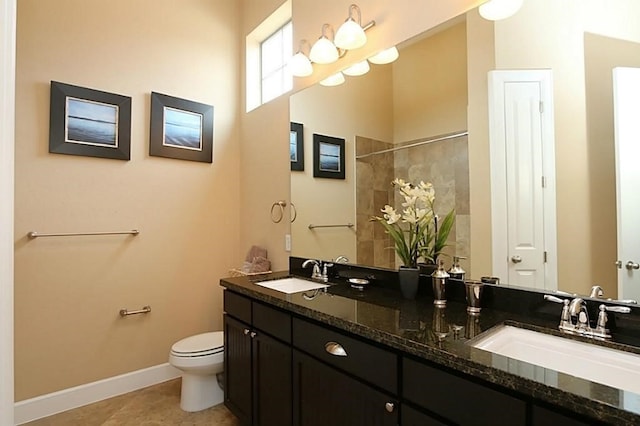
(91,123)
(182,129)
(293,146)
(329,157)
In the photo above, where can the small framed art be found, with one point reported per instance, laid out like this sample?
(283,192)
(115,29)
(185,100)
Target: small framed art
(296,146)
(181,129)
(89,122)
(328,157)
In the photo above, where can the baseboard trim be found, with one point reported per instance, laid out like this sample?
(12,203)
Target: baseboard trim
(67,399)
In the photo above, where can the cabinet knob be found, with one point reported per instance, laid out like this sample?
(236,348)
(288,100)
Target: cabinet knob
(253,334)
(246,331)
(389,406)
(335,349)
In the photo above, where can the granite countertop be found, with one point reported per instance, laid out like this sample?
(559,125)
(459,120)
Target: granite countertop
(441,335)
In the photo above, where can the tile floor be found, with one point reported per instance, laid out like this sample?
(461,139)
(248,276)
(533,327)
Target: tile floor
(157,405)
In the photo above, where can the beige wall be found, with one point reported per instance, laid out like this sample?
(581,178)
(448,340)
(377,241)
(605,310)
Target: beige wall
(68,290)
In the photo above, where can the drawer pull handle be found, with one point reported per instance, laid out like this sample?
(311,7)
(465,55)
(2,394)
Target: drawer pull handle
(335,349)
(389,406)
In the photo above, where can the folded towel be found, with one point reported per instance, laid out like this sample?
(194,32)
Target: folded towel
(260,264)
(254,252)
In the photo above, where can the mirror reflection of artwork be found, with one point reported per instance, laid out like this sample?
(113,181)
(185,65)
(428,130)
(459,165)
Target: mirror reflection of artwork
(182,129)
(91,123)
(296,146)
(328,157)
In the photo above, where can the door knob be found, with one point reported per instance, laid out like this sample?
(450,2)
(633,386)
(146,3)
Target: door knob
(516,259)
(632,265)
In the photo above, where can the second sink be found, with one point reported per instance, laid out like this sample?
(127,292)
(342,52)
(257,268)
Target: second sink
(595,363)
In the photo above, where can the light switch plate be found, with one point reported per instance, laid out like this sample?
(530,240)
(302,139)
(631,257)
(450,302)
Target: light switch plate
(287,242)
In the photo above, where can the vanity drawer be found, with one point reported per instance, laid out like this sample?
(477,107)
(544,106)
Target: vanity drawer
(460,400)
(362,359)
(237,306)
(273,321)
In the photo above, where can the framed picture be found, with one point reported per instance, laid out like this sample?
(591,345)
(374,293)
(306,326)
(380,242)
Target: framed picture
(328,157)
(296,147)
(89,122)
(181,129)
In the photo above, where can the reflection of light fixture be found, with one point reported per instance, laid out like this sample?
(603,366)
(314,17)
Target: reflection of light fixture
(385,57)
(299,64)
(323,50)
(494,10)
(351,35)
(359,68)
(333,80)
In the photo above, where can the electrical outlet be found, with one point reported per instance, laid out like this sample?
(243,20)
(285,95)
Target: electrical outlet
(287,242)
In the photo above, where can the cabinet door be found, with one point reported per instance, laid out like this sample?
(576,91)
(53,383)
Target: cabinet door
(272,381)
(324,396)
(411,417)
(237,371)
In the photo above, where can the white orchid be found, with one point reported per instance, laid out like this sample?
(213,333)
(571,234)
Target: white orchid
(420,236)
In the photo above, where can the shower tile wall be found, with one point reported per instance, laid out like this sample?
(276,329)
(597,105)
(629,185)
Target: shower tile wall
(373,190)
(445,164)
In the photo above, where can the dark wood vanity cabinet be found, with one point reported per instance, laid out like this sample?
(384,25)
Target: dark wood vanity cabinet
(258,387)
(458,399)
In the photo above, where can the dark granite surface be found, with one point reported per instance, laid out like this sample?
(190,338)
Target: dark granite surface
(441,335)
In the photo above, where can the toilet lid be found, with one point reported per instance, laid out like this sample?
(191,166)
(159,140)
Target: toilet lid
(206,342)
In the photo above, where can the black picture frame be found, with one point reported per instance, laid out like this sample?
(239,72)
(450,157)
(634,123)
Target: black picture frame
(328,157)
(296,146)
(89,122)
(180,129)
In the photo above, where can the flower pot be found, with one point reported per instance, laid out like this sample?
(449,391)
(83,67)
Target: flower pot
(426,269)
(409,279)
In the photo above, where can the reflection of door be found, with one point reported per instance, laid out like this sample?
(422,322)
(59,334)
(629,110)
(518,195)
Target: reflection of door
(522,178)
(626,107)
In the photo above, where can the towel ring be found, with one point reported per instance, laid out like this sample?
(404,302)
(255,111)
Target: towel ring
(282,204)
(294,212)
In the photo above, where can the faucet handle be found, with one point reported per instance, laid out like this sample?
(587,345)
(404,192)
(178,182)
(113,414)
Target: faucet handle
(601,327)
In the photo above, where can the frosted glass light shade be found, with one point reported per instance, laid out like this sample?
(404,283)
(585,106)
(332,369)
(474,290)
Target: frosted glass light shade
(323,51)
(350,35)
(495,10)
(333,80)
(300,65)
(385,57)
(360,68)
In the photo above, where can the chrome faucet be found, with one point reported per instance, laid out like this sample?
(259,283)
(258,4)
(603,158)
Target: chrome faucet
(316,274)
(596,292)
(574,318)
(342,259)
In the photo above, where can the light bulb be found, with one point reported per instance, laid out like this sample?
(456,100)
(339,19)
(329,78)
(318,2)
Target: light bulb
(357,69)
(350,35)
(495,10)
(386,56)
(333,80)
(323,51)
(300,65)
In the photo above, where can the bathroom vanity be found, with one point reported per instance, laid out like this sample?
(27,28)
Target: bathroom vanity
(350,357)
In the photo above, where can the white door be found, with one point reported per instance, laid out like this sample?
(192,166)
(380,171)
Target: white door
(522,178)
(626,108)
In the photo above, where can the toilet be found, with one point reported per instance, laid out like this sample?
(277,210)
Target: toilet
(201,359)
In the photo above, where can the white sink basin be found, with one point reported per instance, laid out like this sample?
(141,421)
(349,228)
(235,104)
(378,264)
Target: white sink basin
(291,285)
(598,364)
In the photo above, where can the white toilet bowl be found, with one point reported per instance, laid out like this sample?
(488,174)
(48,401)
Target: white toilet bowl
(201,358)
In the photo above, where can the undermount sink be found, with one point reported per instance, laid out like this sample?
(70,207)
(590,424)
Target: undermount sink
(611,367)
(291,285)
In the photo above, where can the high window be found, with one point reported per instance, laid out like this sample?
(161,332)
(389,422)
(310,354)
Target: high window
(275,52)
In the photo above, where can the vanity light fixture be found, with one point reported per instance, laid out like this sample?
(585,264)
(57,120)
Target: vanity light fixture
(495,10)
(323,50)
(299,64)
(359,68)
(351,35)
(333,80)
(385,57)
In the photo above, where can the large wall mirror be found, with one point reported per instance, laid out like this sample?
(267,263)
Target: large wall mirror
(438,86)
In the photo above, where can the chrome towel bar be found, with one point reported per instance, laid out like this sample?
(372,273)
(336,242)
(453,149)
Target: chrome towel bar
(347,225)
(144,310)
(34,234)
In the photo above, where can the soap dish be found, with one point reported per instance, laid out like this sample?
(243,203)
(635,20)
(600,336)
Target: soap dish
(358,283)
